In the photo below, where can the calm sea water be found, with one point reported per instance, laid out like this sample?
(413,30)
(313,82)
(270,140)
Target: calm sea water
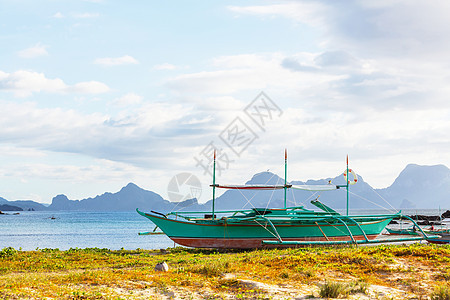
(112,230)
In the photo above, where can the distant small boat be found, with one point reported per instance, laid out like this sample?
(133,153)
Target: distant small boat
(436,236)
(444,239)
(443,233)
(15,214)
(407,231)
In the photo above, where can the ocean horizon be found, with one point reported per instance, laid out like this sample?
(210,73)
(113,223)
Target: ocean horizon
(31,230)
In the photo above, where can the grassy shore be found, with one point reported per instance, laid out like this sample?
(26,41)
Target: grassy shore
(381,272)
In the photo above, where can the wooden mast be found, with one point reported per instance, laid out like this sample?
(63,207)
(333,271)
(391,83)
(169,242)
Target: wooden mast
(214,186)
(285,176)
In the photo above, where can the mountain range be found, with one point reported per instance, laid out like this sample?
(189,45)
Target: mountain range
(415,187)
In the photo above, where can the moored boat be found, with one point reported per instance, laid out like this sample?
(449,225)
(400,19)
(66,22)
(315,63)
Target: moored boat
(442,236)
(441,239)
(256,227)
(407,231)
(281,227)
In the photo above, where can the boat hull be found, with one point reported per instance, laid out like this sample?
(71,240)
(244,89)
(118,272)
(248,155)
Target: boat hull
(439,241)
(250,235)
(251,243)
(444,238)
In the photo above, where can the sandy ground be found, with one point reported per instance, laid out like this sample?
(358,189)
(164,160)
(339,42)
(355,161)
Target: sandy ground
(266,291)
(288,291)
(401,277)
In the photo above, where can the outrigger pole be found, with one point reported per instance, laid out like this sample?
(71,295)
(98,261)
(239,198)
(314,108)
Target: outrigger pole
(214,185)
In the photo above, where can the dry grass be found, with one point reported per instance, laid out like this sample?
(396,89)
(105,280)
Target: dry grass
(415,270)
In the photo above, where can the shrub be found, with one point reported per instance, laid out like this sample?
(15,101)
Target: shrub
(342,289)
(441,292)
(8,252)
(333,290)
(358,287)
(213,268)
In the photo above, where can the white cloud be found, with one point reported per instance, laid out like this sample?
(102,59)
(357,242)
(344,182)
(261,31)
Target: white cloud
(100,170)
(33,52)
(194,120)
(386,28)
(165,66)
(24,83)
(218,104)
(58,15)
(368,78)
(128,99)
(90,87)
(95,1)
(218,82)
(130,136)
(239,73)
(109,61)
(384,142)
(313,13)
(150,115)
(374,108)
(12,151)
(86,15)
(222,103)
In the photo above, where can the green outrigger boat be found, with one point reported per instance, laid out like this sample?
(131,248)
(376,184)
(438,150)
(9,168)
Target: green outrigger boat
(282,227)
(407,231)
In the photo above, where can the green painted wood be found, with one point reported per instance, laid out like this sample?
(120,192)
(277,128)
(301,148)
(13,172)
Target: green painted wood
(288,225)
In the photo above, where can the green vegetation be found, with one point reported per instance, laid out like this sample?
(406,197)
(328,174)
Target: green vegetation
(7,252)
(420,270)
(441,292)
(342,289)
(333,290)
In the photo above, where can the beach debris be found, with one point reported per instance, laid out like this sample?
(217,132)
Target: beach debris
(162,267)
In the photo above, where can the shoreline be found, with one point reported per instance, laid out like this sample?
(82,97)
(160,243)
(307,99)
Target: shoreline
(378,272)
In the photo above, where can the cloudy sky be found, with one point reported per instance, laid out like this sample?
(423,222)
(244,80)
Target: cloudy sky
(96,94)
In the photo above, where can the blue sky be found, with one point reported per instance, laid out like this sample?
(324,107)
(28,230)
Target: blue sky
(96,94)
